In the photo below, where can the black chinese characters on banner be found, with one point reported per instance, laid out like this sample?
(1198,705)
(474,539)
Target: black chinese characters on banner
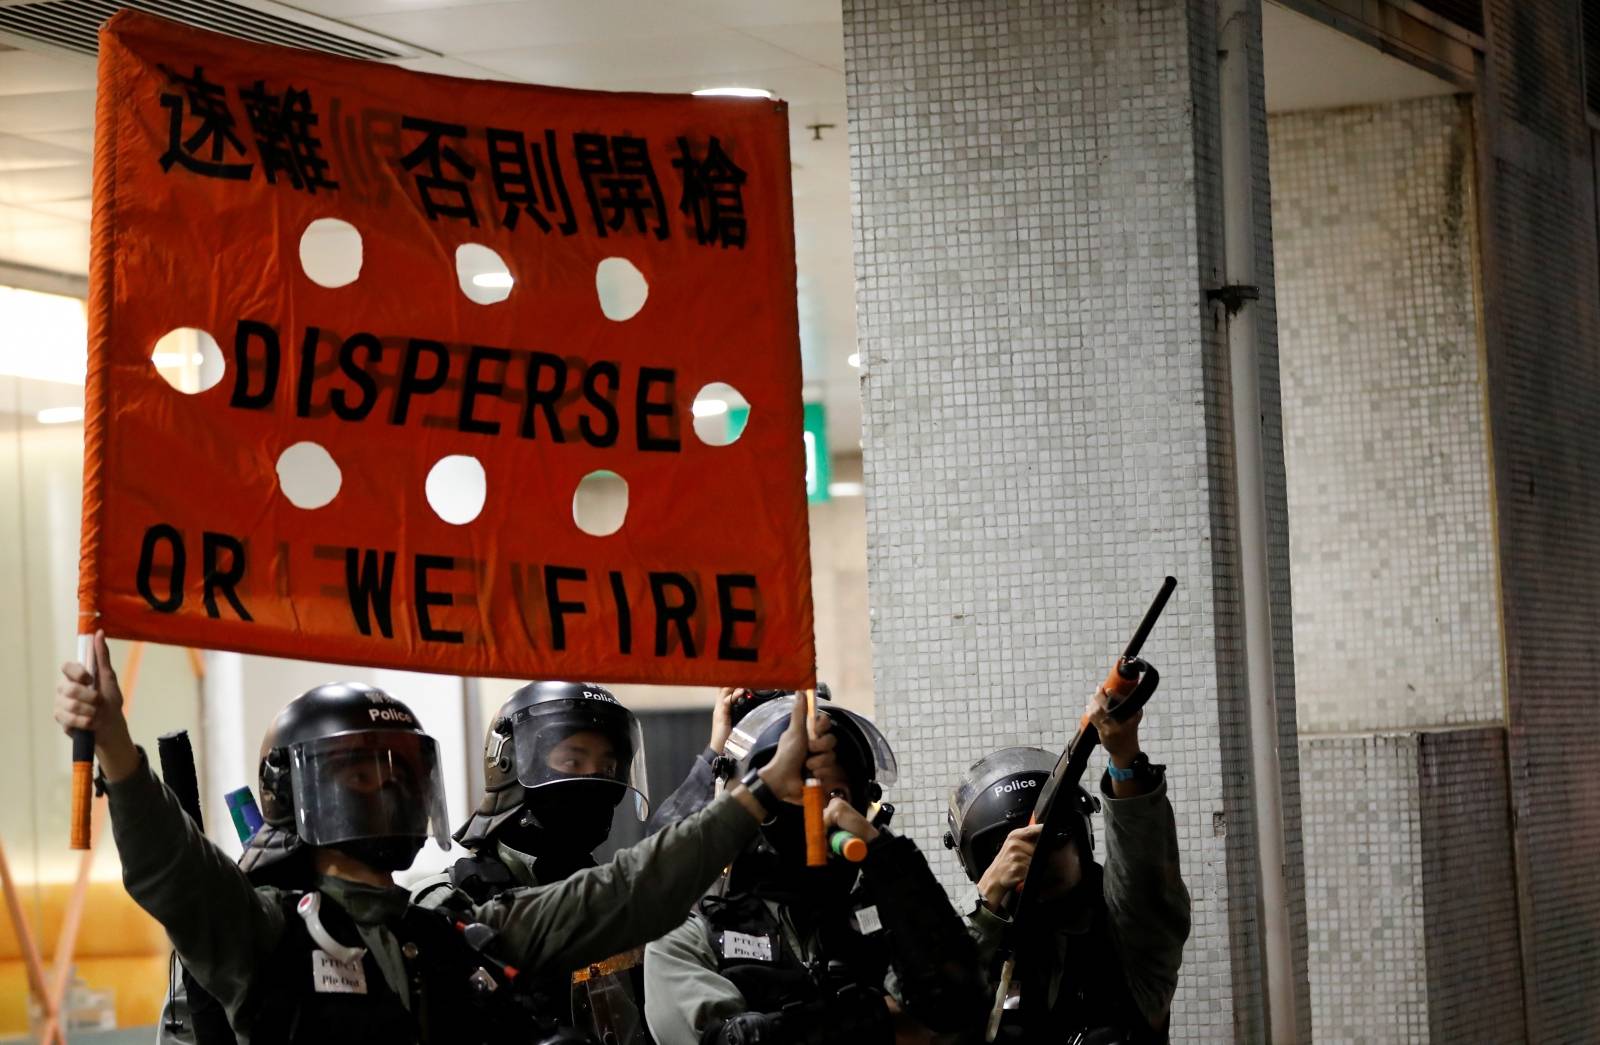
(526,174)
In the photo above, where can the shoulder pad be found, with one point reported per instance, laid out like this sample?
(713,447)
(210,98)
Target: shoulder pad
(481,877)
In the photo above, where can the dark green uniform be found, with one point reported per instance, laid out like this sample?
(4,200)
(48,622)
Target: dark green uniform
(226,930)
(1142,922)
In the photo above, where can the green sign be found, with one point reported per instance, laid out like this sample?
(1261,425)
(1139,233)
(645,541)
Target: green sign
(816,437)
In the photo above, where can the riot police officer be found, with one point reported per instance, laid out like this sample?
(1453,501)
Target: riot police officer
(1099,961)
(559,759)
(345,955)
(784,953)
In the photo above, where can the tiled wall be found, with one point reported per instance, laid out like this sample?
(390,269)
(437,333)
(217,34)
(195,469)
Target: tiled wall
(1474,955)
(1044,421)
(1542,318)
(1412,900)
(1395,593)
(1410,885)
(1364,889)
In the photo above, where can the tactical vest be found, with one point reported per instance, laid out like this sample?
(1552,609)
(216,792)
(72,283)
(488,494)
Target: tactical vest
(605,999)
(755,954)
(308,998)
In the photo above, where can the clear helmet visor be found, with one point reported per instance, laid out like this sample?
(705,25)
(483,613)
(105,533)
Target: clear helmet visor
(593,740)
(371,784)
(749,735)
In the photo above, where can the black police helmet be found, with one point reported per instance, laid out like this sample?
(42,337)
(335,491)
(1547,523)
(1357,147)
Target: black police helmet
(862,750)
(996,797)
(522,761)
(348,766)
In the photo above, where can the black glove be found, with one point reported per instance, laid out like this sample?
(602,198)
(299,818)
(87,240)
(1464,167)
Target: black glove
(747,1028)
(856,1015)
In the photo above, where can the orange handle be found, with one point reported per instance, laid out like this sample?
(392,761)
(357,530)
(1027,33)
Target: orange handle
(816,834)
(1116,686)
(83,760)
(82,802)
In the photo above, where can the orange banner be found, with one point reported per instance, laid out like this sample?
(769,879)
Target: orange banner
(445,310)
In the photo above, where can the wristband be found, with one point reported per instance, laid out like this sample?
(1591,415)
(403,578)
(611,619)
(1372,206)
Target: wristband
(1141,768)
(761,792)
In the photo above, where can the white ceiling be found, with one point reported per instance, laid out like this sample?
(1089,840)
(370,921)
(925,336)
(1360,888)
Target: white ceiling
(792,47)
(1309,65)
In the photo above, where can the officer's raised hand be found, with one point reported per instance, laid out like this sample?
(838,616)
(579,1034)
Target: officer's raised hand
(1121,741)
(722,717)
(783,777)
(92,700)
(1010,865)
(844,816)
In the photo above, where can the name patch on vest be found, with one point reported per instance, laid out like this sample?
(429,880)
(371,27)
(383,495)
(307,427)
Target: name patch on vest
(867,920)
(331,976)
(746,946)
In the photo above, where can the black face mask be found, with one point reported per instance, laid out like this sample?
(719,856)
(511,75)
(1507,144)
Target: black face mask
(785,875)
(393,853)
(568,818)
(1066,907)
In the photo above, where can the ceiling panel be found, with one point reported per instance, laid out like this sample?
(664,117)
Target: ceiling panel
(17,216)
(82,140)
(18,153)
(53,183)
(621,64)
(803,86)
(28,72)
(80,210)
(43,241)
(28,114)
(819,42)
(447,67)
(481,27)
(346,10)
(743,13)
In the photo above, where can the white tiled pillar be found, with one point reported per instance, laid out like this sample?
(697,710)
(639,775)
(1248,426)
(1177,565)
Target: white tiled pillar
(1037,197)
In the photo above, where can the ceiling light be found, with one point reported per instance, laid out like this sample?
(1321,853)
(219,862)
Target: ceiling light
(733,92)
(854,359)
(846,489)
(60,415)
(710,407)
(166,359)
(492,279)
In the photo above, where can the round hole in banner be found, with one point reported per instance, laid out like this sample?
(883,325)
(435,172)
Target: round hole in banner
(188,359)
(308,475)
(600,503)
(720,414)
(483,274)
(330,252)
(621,287)
(456,488)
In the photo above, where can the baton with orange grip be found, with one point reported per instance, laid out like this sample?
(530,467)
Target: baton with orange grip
(813,800)
(83,762)
(1130,684)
